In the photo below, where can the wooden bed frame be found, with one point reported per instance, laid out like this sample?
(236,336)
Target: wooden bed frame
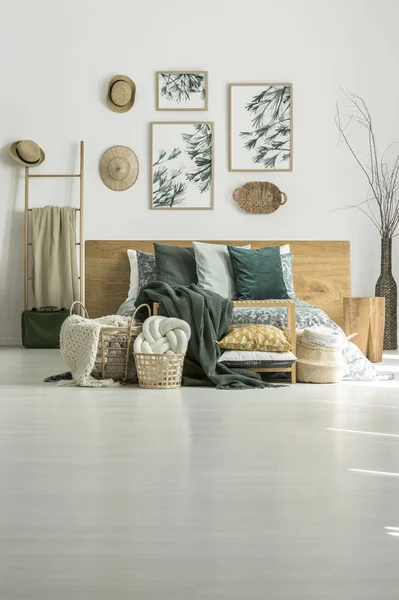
(290,307)
(321,272)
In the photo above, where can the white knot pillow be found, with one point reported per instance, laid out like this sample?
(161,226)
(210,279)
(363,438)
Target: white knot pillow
(163,335)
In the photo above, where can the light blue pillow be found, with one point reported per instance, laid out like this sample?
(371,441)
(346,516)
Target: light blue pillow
(214,269)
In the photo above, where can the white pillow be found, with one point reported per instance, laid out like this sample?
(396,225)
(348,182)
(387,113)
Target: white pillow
(214,269)
(247,356)
(134,275)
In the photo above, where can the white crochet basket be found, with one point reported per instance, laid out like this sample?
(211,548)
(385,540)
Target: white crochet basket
(159,371)
(114,358)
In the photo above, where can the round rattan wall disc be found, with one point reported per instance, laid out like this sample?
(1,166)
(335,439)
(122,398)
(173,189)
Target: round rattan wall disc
(259,197)
(119,168)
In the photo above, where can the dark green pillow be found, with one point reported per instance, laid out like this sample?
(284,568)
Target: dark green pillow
(175,265)
(258,273)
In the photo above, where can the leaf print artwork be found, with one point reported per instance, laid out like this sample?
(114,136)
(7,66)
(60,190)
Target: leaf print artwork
(163,158)
(168,190)
(261,125)
(182,90)
(199,149)
(182,156)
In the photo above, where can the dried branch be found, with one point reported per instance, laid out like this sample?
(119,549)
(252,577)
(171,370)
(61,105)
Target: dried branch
(382,176)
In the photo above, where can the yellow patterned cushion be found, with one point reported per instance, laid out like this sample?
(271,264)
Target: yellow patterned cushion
(264,338)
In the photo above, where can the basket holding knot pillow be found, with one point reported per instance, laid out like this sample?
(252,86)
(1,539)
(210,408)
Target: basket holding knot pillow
(320,356)
(159,352)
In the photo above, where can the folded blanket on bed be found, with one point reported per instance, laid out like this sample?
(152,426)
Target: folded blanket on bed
(209,316)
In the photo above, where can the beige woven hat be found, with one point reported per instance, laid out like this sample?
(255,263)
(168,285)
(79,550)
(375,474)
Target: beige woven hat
(27,153)
(121,93)
(119,168)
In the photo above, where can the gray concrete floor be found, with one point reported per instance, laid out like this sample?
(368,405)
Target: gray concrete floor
(122,493)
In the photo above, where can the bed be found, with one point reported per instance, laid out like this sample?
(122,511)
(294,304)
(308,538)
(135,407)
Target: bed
(321,271)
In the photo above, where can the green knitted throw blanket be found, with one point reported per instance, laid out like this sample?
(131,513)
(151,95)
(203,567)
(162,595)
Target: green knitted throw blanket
(209,316)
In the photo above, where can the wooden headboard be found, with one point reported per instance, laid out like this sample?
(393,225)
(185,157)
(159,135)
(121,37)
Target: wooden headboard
(321,272)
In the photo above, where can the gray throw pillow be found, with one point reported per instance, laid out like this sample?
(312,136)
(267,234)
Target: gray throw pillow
(286,263)
(146,268)
(214,269)
(142,271)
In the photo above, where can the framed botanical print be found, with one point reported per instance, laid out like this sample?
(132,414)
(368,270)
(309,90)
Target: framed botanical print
(181,165)
(182,90)
(261,127)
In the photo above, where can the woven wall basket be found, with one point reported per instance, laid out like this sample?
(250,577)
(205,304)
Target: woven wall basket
(259,197)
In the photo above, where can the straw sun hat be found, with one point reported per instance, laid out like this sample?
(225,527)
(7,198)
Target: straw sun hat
(121,93)
(27,153)
(119,168)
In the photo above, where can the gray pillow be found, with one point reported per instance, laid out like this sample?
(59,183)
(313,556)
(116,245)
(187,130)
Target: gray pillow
(142,271)
(146,268)
(214,269)
(286,263)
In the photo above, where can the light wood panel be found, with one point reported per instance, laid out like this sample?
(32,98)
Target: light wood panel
(321,271)
(366,317)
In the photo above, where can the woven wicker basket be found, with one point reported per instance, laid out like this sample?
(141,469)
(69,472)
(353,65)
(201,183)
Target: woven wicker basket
(319,364)
(114,358)
(259,197)
(159,371)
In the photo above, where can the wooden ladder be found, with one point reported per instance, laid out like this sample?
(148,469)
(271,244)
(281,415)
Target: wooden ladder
(28,177)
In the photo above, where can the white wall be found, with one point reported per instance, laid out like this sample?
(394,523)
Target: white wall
(56,60)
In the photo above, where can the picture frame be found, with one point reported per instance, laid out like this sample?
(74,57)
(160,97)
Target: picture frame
(182,165)
(182,90)
(260,127)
